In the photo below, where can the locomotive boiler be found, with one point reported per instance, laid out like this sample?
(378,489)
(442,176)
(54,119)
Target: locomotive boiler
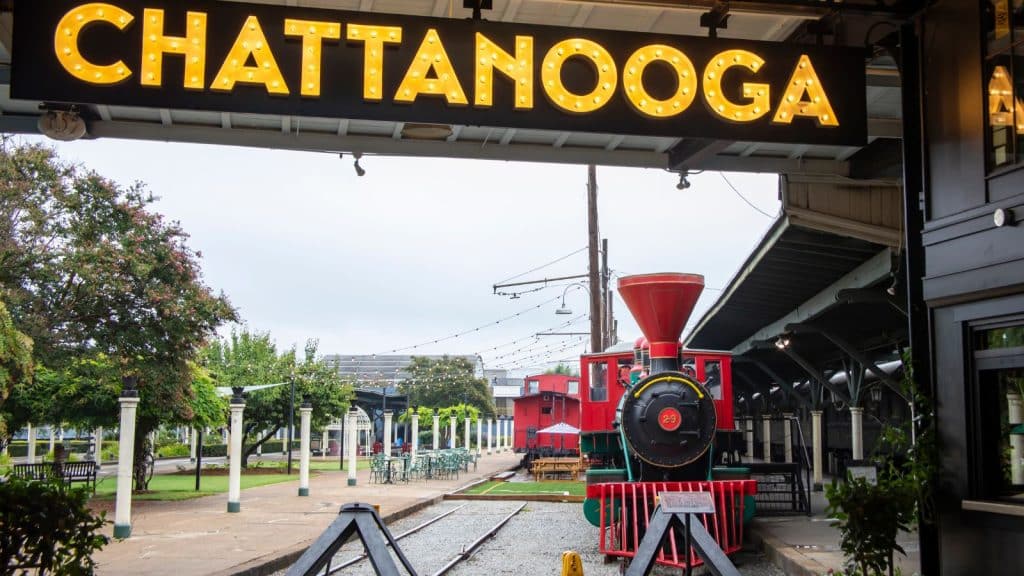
(654,419)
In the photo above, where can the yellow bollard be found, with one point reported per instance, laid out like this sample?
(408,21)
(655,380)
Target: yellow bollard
(571,563)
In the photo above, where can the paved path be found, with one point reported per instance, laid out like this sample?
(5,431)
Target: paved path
(199,537)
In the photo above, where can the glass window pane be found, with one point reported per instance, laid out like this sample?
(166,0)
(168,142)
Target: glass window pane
(713,378)
(598,382)
(1004,458)
(998,24)
(1004,111)
(1006,337)
(574,387)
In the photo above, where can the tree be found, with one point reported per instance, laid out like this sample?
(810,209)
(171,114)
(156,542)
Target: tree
(446,382)
(251,358)
(563,369)
(90,273)
(15,362)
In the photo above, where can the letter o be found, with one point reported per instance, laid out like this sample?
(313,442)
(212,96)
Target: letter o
(551,75)
(636,93)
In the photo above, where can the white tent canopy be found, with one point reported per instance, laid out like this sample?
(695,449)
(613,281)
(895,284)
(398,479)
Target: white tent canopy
(560,428)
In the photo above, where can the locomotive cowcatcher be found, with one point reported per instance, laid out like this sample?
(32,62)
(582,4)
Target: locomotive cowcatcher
(658,419)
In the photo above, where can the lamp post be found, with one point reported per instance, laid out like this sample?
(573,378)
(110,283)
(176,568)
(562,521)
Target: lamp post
(291,421)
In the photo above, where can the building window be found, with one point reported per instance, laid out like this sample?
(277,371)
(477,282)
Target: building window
(574,387)
(999,412)
(1004,108)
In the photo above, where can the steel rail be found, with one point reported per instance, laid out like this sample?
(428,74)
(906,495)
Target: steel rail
(465,554)
(408,532)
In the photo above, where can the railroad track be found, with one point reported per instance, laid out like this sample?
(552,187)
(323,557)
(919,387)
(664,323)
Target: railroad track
(449,537)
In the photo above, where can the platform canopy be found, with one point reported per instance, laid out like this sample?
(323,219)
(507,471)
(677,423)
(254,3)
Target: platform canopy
(804,22)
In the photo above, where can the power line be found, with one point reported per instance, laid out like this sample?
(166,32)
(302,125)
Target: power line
(471,330)
(744,198)
(541,267)
(533,336)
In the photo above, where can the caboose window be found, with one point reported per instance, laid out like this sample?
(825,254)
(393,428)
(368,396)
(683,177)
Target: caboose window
(713,378)
(533,386)
(574,387)
(598,382)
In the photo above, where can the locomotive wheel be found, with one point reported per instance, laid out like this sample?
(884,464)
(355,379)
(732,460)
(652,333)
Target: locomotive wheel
(668,419)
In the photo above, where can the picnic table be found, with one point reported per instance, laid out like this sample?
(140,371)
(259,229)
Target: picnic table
(542,468)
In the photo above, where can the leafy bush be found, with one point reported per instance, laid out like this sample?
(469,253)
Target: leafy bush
(110,450)
(174,451)
(47,526)
(214,450)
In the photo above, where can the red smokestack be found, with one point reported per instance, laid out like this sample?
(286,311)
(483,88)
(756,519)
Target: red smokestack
(661,305)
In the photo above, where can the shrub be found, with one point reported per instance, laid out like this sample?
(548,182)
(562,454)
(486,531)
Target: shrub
(47,526)
(174,451)
(110,450)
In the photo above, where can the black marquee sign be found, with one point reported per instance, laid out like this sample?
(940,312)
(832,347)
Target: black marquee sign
(228,56)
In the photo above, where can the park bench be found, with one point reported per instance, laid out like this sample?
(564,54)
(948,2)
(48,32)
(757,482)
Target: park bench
(67,472)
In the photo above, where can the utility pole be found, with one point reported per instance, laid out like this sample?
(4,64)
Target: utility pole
(596,287)
(606,309)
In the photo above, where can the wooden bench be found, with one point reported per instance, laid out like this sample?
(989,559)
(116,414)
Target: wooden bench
(555,467)
(67,472)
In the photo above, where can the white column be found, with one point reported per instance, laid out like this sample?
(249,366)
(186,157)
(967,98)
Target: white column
(437,425)
(324,444)
(512,433)
(415,435)
(490,435)
(237,406)
(452,423)
(1016,416)
(129,401)
(305,412)
(750,438)
(466,444)
(388,415)
(500,444)
(31,455)
(193,438)
(787,437)
(816,440)
(99,446)
(857,431)
(767,440)
(479,435)
(53,438)
(352,443)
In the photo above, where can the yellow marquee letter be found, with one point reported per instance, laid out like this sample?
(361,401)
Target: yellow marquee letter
(250,43)
(373,38)
(520,69)
(155,45)
(313,34)
(805,81)
(633,81)
(757,93)
(551,75)
(431,57)
(65,43)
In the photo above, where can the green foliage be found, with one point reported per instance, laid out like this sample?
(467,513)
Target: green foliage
(870,517)
(15,361)
(110,450)
(251,358)
(563,369)
(46,525)
(174,451)
(446,382)
(90,273)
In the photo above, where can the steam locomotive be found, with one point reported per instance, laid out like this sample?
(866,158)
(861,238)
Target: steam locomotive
(658,419)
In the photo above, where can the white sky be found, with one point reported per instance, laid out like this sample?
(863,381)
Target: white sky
(408,254)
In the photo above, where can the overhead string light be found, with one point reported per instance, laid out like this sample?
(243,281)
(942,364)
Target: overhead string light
(532,349)
(533,336)
(471,330)
(548,353)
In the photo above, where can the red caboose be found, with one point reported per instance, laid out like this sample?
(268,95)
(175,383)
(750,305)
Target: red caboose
(543,410)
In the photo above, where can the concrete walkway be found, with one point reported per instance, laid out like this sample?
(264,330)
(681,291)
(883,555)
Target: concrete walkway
(198,536)
(806,546)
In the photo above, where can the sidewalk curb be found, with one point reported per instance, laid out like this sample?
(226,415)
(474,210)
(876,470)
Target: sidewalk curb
(785,557)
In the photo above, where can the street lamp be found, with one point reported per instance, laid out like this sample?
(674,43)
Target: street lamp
(564,311)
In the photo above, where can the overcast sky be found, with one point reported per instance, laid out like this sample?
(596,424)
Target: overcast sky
(408,253)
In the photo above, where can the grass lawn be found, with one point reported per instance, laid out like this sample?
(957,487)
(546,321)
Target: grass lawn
(175,487)
(504,488)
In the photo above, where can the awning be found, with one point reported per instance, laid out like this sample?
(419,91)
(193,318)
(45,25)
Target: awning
(560,428)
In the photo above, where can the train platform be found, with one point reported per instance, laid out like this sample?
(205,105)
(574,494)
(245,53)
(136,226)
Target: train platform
(809,545)
(275,525)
